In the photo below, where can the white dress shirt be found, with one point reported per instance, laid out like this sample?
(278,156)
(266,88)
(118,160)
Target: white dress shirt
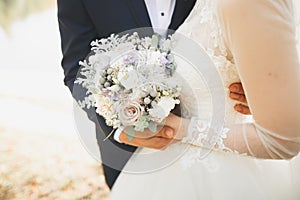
(160,13)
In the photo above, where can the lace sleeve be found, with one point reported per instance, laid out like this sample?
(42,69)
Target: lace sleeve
(261,36)
(201,134)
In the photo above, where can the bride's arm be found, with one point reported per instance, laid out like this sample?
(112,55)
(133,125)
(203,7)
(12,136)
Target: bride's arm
(261,35)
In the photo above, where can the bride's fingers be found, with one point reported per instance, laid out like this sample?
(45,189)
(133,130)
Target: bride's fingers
(237,88)
(238,97)
(242,109)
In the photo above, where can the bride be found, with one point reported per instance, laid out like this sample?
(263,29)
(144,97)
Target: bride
(253,41)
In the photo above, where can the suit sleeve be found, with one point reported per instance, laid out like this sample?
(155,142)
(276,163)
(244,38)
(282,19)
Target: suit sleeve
(77,32)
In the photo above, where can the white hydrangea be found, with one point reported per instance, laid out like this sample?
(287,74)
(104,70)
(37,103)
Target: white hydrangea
(162,109)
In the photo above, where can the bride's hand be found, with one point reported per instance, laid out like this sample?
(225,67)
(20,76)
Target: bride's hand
(237,93)
(174,129)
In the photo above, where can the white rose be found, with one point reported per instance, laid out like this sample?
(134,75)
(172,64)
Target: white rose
(162,109)
(129,112)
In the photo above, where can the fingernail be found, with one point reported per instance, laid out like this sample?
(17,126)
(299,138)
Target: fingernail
(239,108)
(235,88)
(169,133)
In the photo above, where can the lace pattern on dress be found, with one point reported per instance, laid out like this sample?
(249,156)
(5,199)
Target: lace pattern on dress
(199,135)
(203,27)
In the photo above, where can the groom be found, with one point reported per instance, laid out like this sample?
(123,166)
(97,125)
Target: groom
(82,21)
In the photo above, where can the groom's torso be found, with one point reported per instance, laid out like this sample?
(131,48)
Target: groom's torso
(82,21)
(115,16)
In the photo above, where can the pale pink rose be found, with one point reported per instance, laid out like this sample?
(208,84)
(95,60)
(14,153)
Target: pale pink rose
(130,112)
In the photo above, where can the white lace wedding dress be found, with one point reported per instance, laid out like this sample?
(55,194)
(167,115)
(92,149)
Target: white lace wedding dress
(224,173)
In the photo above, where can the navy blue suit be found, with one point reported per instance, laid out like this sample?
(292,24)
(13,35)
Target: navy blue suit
(82,21)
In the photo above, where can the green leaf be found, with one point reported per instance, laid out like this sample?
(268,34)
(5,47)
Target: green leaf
(130,132)
(152,126)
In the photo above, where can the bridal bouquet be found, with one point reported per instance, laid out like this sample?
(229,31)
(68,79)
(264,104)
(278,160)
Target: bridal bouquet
(130,80)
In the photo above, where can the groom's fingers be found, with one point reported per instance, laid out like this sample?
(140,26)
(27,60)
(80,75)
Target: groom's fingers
(153,143)
(148,139)
(165,132)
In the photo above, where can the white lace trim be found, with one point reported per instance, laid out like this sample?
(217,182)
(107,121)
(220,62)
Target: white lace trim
(199,135)
(203,27)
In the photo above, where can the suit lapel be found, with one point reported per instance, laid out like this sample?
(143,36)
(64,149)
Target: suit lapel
(139,11)
(181,11)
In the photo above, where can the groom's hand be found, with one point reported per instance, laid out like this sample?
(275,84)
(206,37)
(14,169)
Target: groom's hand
(237,93)
(148,139)
(175,128)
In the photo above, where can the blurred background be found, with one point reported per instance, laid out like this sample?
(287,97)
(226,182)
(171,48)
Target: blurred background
(41,156)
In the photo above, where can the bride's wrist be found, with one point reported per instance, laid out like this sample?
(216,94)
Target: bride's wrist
(179,125)
(192,126)
(183,129)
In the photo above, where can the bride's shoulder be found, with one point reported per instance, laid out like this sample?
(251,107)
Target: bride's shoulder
(238,5)
(250,5)
(252,9)
(235,5)
(232,8)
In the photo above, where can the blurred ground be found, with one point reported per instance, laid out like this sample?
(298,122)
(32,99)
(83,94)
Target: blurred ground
(41,156)
(37,166)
